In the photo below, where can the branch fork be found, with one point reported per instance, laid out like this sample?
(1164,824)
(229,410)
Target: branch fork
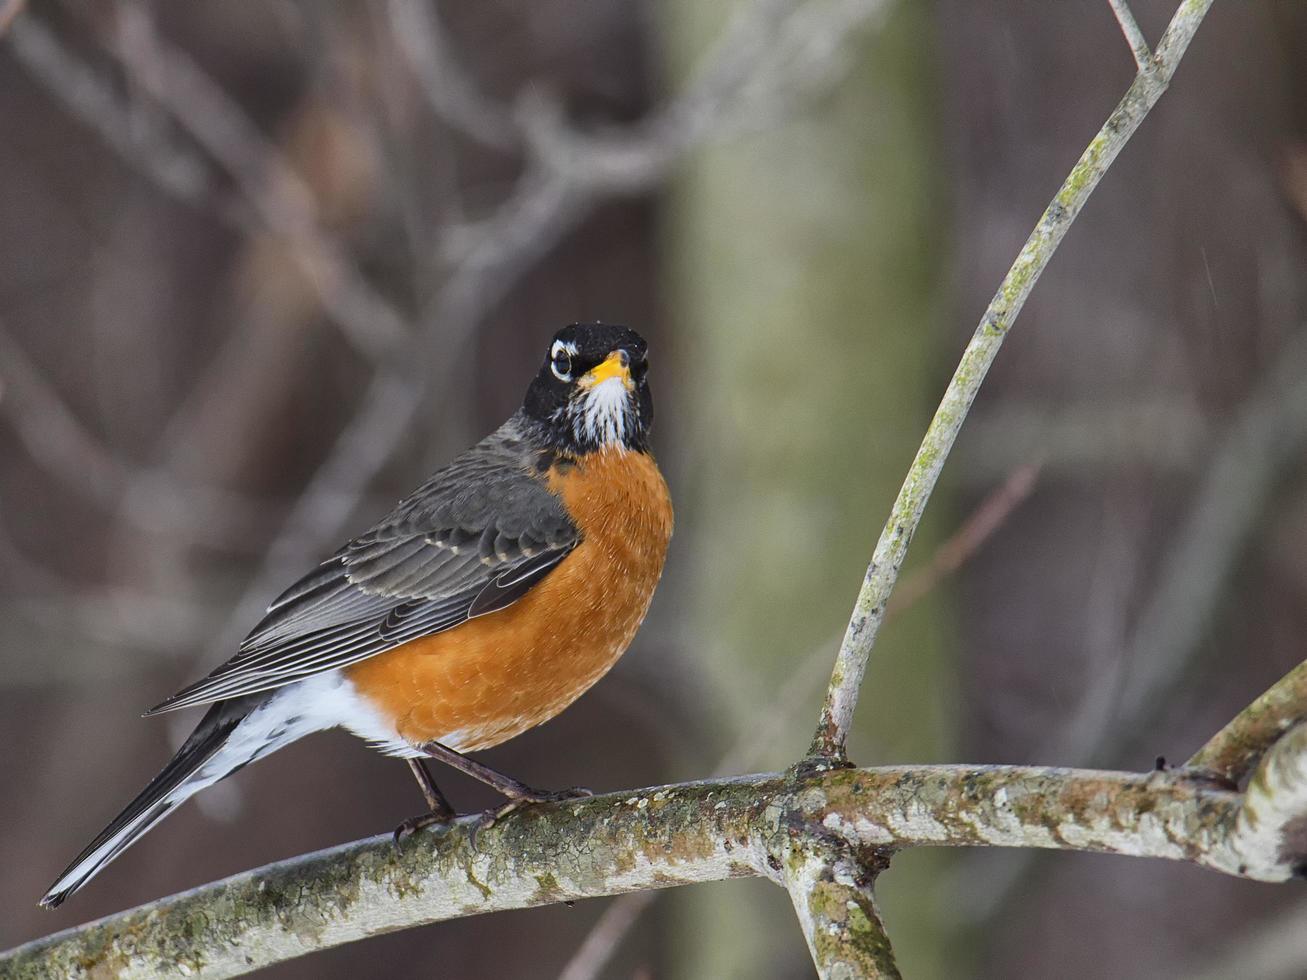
(824,830)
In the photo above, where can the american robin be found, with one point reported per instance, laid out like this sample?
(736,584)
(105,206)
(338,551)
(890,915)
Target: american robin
(484,604)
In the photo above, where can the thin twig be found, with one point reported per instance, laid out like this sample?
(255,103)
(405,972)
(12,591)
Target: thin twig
(1162,434)
(993,511)
(90,98)
(604,937)
(869,613)
(275,197)
(269,183)
(1266,434)
(1133,35)
(453,96)
(770,59)
(54,438)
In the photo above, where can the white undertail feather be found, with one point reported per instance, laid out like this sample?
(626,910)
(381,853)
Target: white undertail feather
(314,704)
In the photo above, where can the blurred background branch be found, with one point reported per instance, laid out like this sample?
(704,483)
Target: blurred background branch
(1264,438)
(186,422)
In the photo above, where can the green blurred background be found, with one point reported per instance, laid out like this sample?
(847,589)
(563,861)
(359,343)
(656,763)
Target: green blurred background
(262,266)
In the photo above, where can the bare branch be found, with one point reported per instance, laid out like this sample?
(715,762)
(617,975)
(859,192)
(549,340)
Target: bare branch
(645,839)
(869,612)
(1269,839)
(90,98)
(1266,434)
(618,918)
(277,199)
(1164,434)
(769,59)
(57,440)
(1133,35)
(452,95)
(1268,431)
(269,183)
(832,892)
(993,511)
(1233,751)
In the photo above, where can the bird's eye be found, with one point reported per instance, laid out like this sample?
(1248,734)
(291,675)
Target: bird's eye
(560,362)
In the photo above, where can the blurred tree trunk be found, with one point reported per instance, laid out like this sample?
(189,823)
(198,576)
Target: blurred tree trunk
(808,308)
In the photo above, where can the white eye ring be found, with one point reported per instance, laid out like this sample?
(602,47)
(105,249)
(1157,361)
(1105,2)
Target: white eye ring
(560,361)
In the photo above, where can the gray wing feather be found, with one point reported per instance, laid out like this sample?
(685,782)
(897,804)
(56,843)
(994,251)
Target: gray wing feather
(472,539)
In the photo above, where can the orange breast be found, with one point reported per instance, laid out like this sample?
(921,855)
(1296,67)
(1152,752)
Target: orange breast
(493,677)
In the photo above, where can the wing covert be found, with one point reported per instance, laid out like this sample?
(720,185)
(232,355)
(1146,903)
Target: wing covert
(473,539)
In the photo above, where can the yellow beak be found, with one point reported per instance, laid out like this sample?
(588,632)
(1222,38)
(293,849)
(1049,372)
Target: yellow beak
(616,365)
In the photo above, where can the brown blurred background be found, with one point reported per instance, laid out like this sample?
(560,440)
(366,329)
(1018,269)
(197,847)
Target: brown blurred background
(262,266)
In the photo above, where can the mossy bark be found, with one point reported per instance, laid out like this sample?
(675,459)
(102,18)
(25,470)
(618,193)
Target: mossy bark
(665,836)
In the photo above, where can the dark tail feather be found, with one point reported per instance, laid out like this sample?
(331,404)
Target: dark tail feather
(180,780)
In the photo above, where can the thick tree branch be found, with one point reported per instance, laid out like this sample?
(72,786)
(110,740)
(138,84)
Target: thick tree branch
(832,890)
(672,835)
(1233,751)
(1269,840)
(869,611)
(822,832)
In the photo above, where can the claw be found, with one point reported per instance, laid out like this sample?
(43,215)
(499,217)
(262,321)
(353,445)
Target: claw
(413,824)
(490,817)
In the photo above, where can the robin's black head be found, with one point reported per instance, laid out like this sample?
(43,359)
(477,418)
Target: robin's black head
(592,392)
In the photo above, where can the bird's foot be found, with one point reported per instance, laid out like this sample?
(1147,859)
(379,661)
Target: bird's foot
(441,817)
(492,816)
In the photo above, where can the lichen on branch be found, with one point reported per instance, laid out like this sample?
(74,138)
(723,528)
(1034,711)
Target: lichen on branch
(654,838)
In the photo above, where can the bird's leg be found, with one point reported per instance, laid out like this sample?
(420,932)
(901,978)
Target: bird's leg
(430,791)
(440,811)
(518,793)
(496,780)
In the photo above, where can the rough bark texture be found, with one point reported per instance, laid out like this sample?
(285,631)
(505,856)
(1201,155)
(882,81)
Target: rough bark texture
(675,835)
(831,887)
(1234,750)
(823,830)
